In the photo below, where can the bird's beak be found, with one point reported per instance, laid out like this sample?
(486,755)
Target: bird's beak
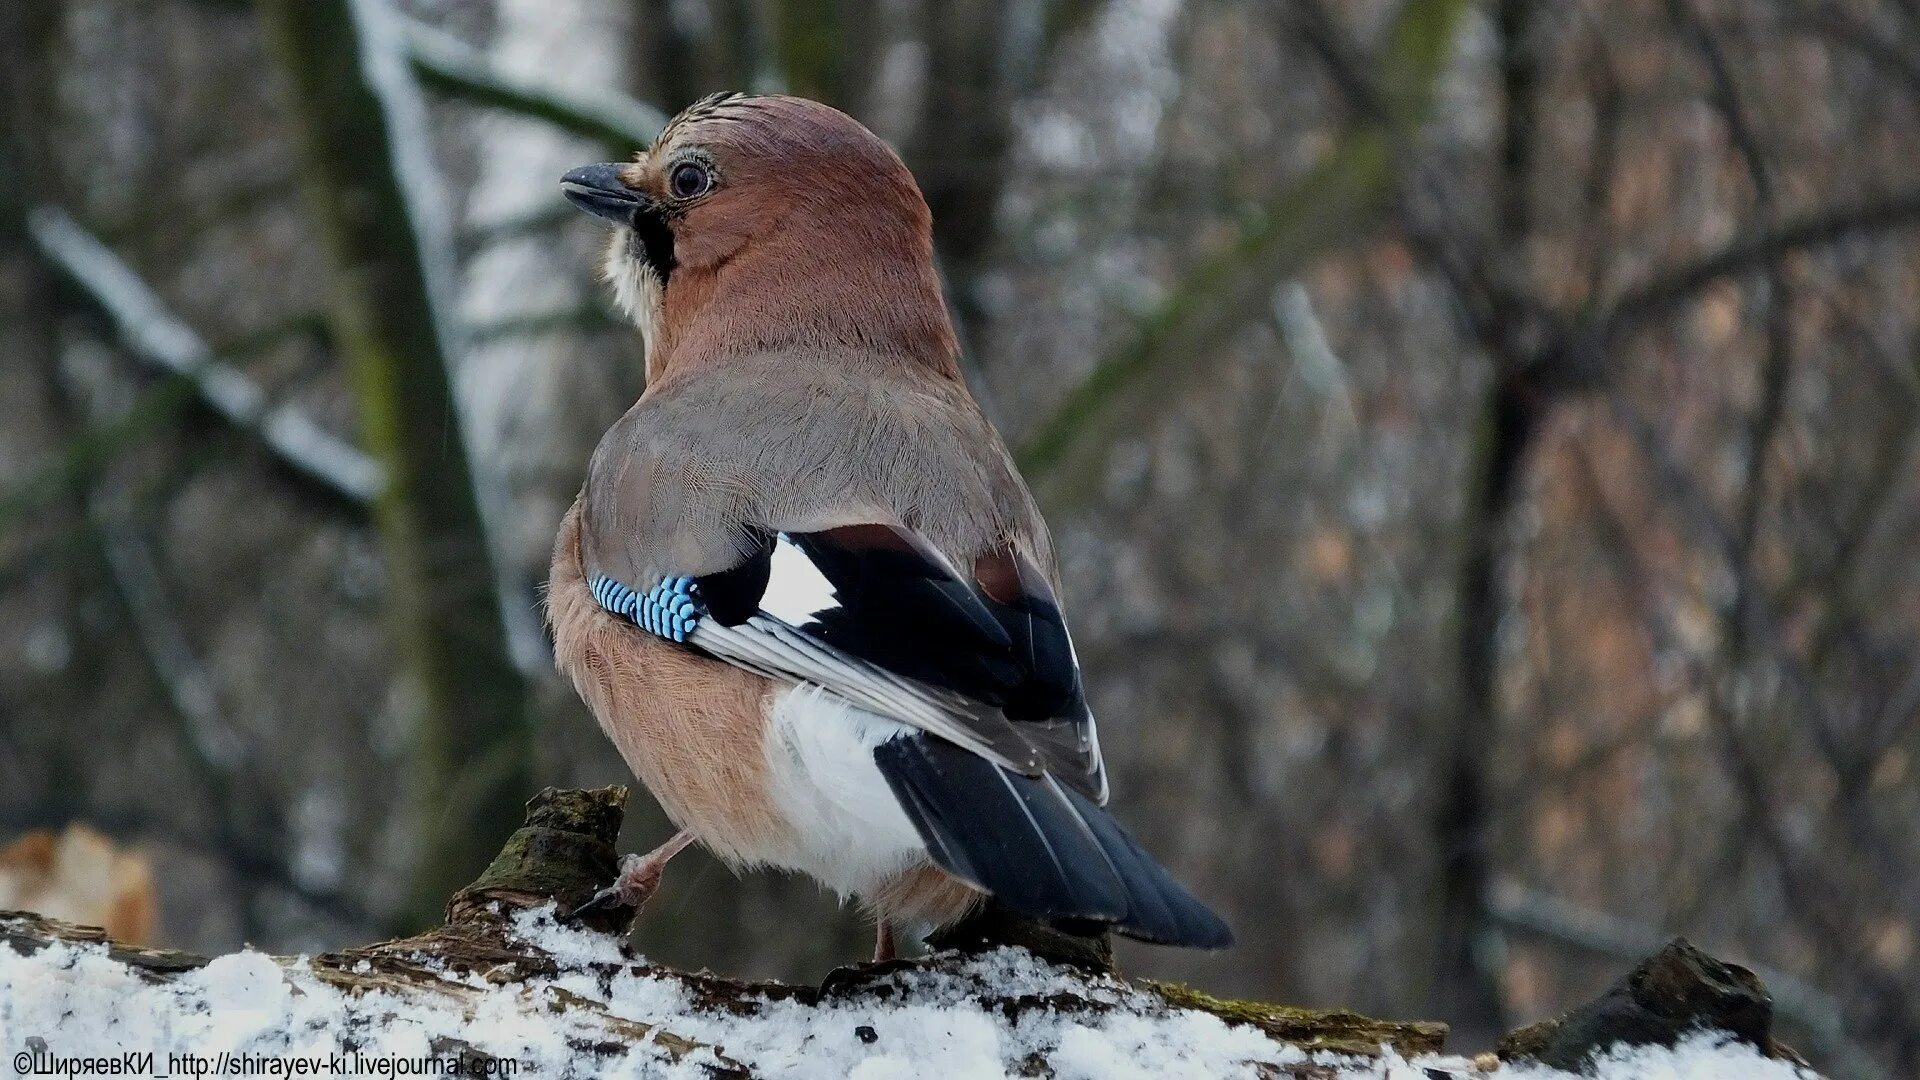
(598,190)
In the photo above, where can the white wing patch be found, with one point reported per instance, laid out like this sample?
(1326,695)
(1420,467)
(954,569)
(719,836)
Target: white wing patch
(796,589)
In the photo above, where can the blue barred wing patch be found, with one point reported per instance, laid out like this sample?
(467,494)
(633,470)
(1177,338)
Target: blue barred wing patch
(670,609)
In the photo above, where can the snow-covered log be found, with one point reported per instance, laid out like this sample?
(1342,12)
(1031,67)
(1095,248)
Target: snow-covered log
(505,988)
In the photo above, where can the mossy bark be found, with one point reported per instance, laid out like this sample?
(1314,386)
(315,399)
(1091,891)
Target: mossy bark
(472,750)
(564,853)
(1336,1030)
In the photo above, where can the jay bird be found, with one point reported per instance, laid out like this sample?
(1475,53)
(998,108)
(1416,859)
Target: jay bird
(804,589)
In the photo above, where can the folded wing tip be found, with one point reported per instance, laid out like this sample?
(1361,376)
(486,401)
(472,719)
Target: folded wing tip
(1195,926)
(1039,848)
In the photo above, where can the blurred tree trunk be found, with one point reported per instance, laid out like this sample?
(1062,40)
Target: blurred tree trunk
(960,144)
(1469,965)
(1468,980)
(1467,977)
(823,47)
(28,34)
(471,744)
(670,63)
(29,40)
(534,412)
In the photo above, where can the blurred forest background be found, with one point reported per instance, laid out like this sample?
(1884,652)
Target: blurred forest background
(1484,441)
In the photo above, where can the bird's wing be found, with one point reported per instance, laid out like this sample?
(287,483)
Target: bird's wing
(723,543)
(1003,779)
(874,614)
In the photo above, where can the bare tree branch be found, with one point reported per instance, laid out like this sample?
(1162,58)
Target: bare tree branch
(249,831)
(449,66)
(1669,291)
(207,735)
(1330,204)
(1806,882)
(156,336)
(1467,986)
(1334,202)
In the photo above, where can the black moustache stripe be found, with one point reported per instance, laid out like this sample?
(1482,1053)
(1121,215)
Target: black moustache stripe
(653,242)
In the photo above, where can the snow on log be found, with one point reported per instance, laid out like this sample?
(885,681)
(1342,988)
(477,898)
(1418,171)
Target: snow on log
(504,988)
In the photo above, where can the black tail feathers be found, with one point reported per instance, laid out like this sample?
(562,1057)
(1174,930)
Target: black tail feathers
(1039,847)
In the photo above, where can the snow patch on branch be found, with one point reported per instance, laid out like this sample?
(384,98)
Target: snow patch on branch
(943,1024)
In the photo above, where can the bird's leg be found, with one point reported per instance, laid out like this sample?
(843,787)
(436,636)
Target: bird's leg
(639,877)
(886,958)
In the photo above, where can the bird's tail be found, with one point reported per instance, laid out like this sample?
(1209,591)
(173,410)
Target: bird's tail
(1039,847)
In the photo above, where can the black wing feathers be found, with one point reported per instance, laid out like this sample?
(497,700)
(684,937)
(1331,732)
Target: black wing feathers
(904,607)
(732,596)
(1039,847)
(1049,686)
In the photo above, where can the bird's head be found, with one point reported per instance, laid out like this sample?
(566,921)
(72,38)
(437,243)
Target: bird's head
(757,223)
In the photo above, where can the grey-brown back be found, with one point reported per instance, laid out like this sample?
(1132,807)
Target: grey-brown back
(710,459)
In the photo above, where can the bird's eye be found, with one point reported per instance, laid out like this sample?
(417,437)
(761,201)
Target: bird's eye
(689,180)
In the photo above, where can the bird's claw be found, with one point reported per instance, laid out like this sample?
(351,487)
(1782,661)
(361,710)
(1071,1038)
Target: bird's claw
(606,900)
(635,884)
(852,979)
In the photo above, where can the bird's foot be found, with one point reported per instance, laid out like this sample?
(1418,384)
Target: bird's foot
(855,979)
(842,981)
(637,881)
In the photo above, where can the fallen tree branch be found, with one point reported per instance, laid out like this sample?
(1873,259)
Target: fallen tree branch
(1676,990)
(501,978)
(564,854)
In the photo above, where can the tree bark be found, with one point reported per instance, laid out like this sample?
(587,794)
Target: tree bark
(565,852)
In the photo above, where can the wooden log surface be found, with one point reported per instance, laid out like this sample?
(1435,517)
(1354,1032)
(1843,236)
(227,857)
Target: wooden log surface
(565,853)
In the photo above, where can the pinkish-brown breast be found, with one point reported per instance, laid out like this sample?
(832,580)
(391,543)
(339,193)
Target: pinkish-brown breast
(691,728)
